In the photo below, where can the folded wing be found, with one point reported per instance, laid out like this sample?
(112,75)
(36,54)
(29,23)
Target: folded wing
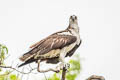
(52,42)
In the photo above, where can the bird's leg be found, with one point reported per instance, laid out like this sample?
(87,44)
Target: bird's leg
(49,69)
(63,63)
(62,60)
(38,68)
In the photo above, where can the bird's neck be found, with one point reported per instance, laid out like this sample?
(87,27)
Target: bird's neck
(74,29)
(74,26)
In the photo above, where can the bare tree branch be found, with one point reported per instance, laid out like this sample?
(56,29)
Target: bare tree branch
(30,71)
(47,70)
(63,73)
(14,69)
(93,77)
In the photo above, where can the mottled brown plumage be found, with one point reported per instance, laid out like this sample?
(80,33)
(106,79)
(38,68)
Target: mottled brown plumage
(49,49)
(52,42)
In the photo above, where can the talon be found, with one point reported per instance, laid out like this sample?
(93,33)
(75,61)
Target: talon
(57,71)
(67,65)
(60,67)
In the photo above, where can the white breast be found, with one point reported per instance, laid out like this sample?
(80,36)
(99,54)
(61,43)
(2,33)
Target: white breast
(75,33)
(65,33)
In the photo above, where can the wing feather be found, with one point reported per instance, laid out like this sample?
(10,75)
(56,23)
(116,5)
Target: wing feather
(50,43)
(36,44)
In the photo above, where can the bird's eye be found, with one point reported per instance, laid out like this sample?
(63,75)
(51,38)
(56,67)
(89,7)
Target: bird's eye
(75,17)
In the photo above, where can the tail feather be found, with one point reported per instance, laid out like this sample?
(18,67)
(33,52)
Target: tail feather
(22,65)
(27,62)
(25,57)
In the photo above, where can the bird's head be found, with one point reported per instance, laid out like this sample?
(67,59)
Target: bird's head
(73,19)
(73,23)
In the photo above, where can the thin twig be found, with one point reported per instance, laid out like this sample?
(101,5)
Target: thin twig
(45,76)
(27,77)
(30,71)
(7,57)
(22,74)
(17,70)
(31,68)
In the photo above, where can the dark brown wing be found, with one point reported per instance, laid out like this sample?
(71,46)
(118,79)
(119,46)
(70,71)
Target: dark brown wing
(48,44)
(36,44)
(70,53)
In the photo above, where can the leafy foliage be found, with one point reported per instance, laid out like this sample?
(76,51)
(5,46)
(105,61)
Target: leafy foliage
(13,77)
(54,77)
(74,69)
(5,75)
(72,73)
(3,51)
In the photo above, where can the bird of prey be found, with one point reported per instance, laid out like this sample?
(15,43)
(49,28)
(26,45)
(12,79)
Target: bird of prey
(56,47)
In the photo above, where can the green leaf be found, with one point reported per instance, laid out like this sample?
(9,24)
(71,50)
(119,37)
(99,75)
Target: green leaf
(13,77)
(6,49)
(54,77)
(3,51)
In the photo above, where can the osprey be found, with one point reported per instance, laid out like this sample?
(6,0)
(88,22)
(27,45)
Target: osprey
(55,47)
